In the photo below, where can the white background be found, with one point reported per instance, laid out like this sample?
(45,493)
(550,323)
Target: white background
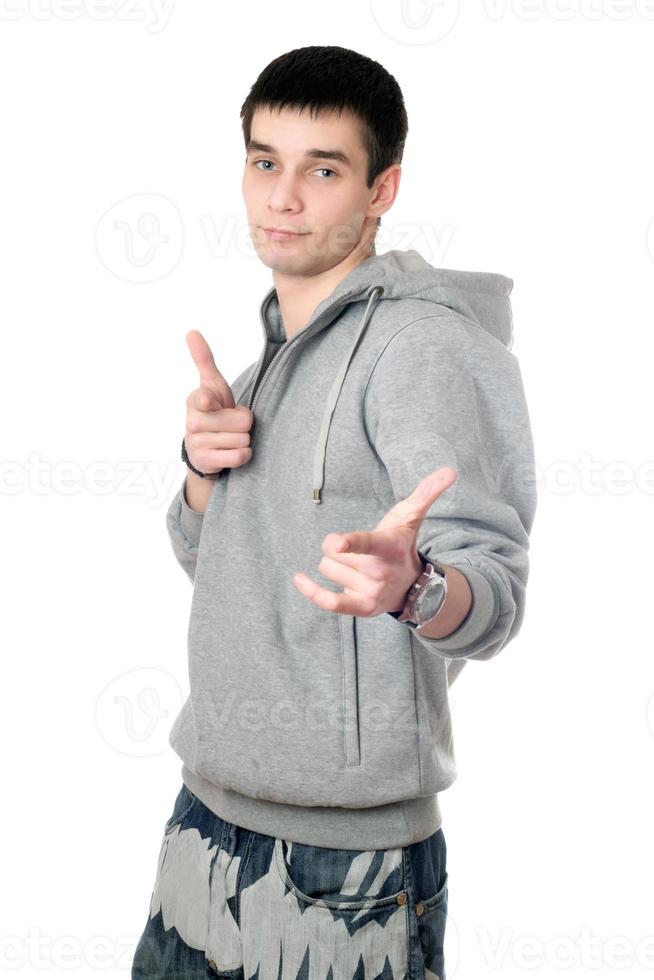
(530,153)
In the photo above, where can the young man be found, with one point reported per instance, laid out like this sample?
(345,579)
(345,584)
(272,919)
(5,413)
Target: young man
(381,443)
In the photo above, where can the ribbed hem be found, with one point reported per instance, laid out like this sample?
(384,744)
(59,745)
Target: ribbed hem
(190,520)
(346,828)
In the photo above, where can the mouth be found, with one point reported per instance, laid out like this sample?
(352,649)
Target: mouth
(279,235)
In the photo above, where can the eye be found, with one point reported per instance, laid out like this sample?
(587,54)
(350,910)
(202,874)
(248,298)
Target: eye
(327,170)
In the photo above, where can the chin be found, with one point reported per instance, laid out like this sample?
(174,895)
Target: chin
(279,261)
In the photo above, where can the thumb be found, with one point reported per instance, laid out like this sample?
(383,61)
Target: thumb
(412,509)
(210,376)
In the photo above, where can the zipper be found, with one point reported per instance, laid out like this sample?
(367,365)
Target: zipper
(257,387)
(287,343)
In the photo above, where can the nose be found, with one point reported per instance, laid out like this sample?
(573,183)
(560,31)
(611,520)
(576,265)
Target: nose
(284,195)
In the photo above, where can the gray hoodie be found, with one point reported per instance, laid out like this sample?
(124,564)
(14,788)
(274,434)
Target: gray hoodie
(319,727)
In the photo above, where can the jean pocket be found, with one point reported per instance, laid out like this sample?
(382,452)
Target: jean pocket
(342,879)
(432,917)
(183,804)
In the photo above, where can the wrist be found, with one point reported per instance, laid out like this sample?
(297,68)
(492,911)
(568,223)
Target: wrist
(419,566)
(196,492)
(455,608)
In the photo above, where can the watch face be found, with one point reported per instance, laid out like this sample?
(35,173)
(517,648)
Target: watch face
(430,601)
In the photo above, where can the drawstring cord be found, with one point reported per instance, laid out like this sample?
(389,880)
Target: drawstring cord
(332,399)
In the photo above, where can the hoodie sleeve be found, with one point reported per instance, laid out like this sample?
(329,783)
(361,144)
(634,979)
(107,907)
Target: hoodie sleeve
(184,529)
(444,392)
(185,524)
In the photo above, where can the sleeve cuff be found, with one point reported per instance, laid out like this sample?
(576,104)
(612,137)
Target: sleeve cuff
(190,520)
(481,617)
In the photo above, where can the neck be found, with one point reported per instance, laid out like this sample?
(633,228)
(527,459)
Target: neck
(300,295)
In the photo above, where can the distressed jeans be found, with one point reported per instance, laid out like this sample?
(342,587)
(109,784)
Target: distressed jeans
(233,903)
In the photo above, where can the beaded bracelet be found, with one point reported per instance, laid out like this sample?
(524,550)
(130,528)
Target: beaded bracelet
(211,476)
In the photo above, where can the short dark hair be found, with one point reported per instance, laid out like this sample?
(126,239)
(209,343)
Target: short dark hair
(331,78)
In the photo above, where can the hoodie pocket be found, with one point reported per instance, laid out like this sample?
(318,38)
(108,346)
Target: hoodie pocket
(351,741)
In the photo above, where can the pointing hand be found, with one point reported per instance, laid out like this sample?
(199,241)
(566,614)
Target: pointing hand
(217,430)
(377,568)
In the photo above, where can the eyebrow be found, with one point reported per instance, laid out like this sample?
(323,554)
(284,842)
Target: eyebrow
(314,154)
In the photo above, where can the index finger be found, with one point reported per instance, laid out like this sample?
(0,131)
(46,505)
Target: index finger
(210,376)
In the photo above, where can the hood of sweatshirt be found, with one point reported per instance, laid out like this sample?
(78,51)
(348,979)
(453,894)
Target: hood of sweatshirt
(482,298)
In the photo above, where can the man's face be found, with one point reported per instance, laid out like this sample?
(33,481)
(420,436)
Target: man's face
(324,199)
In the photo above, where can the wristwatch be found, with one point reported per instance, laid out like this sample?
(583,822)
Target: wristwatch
(426,596)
